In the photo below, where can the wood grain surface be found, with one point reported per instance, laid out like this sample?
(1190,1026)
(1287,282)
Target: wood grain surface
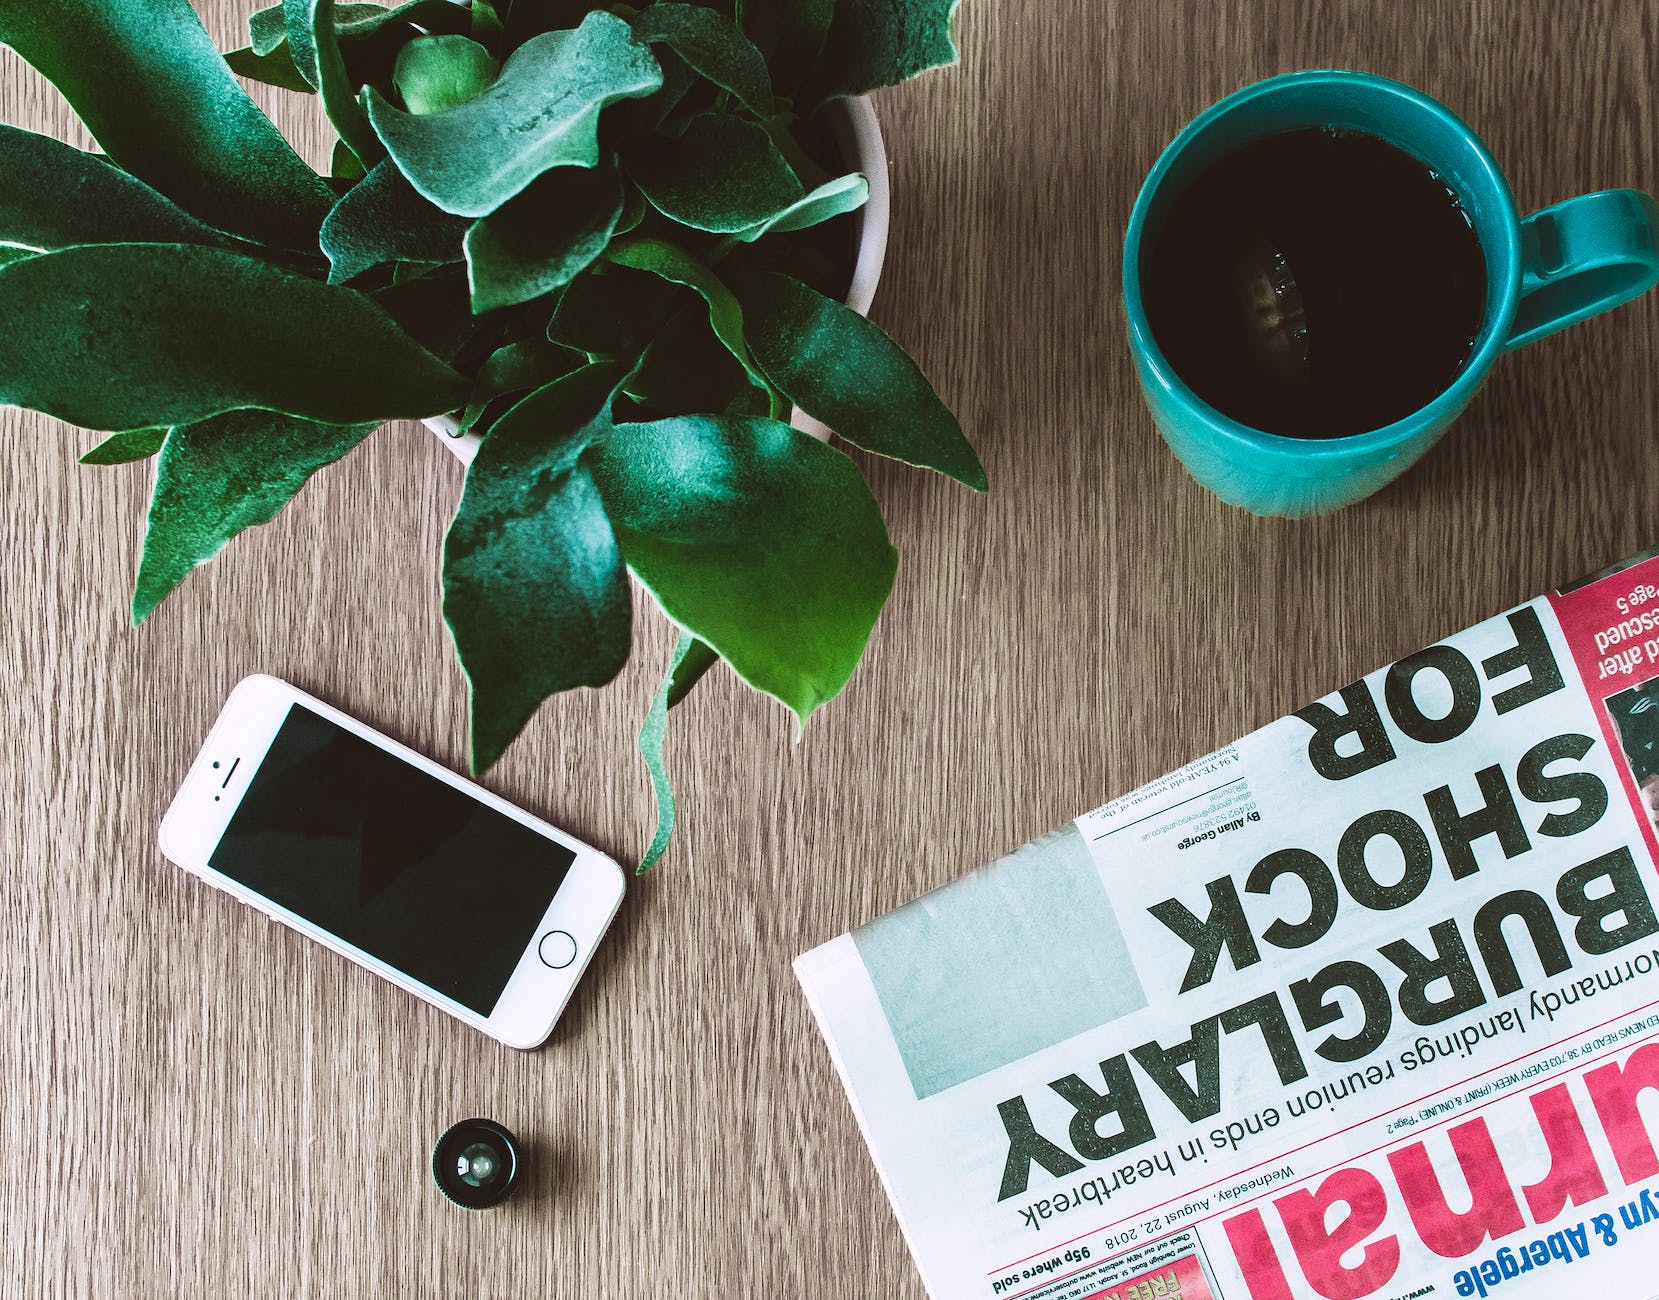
(198,1102)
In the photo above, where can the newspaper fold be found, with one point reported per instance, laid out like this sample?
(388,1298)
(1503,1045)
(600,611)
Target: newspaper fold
(1363,1005)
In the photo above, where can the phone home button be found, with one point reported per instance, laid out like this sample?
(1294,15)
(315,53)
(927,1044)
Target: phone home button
(556,949)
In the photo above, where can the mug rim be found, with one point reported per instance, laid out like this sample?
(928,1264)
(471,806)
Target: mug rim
(1504,261)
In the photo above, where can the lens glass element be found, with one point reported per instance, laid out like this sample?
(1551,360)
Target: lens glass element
(478,1165)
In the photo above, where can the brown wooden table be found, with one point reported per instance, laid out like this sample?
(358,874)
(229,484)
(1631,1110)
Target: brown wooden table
(198,1102)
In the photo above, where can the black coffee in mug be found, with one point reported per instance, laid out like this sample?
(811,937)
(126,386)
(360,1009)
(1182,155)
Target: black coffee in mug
(1316,283)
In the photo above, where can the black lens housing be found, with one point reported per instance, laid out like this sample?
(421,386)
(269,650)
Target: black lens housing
(447,1154)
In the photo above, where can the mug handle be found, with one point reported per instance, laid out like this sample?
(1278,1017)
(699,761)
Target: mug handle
(1582,257)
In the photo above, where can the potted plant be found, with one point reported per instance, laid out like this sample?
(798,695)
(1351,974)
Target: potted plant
(607,247)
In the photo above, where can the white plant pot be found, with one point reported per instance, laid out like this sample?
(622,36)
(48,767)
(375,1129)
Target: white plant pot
(858,133)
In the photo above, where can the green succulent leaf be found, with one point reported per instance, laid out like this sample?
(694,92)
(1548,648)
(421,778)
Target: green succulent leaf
(723,175)
(674,264)
(315,46)
(344,165)
(517,368)
(688,669)
(712,45)
(486,22)
(834,198)
(155,92)
(120,336)
(219,476)
(542,112)
(544,238)
(791,33)
(126,447)
(273,69)
(432,309)
(382,219)
(534,589)
(636,119)
(56,196)
(784,128)
(613,312)
(365,27)
(690,661)
(268,28)
(876,43)
(686,370)
(841,369)
(434,73)
(634,208)
(528,18)
(797,254)
(370,36)
(756,538)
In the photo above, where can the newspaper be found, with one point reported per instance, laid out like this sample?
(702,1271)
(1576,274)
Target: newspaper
(1363,1005)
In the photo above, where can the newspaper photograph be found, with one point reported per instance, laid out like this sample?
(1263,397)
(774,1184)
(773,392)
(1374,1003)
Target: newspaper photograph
(1363,1005)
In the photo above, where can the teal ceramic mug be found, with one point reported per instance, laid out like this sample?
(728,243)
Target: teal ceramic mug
(1558,266)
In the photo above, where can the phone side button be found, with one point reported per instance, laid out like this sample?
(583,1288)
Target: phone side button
(556,949)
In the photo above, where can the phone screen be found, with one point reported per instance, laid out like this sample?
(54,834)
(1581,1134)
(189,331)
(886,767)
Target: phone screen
(395,862)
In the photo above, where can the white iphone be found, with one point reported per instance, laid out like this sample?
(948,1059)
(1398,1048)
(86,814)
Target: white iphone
(378,853)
